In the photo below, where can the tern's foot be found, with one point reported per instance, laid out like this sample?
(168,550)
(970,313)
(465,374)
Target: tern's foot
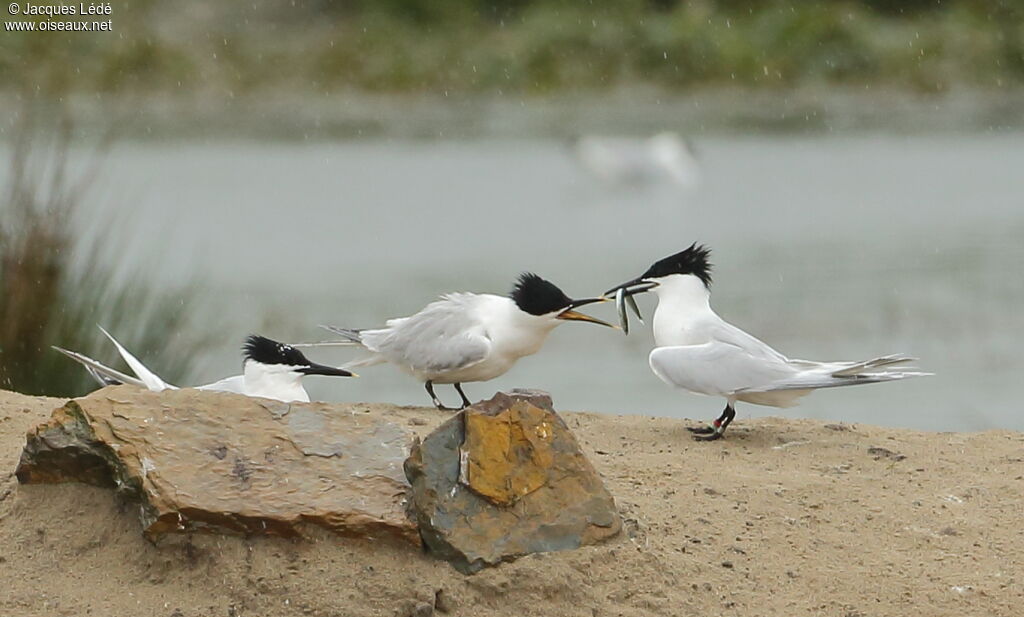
(702,430)
(712,436)
(441,406)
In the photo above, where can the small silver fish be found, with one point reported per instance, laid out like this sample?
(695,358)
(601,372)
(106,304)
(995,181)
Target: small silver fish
(636,309)
(620,306)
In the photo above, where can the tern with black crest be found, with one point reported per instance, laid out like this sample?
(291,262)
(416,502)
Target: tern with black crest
(697,350)
(467,337)
(269,370)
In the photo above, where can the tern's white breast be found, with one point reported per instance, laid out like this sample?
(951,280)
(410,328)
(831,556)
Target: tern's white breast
(684,315)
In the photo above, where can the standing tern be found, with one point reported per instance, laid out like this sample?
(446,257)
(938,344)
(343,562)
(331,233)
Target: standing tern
(469,337)
(624,160)
(697,350)
(269,370)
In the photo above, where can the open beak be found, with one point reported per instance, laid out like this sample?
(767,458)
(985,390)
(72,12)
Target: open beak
(570,315)
(632,287)
(322,369)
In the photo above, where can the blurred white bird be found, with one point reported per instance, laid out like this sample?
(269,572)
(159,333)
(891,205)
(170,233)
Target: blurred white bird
(269,370)
(468,337)
(623,160)
(698,351)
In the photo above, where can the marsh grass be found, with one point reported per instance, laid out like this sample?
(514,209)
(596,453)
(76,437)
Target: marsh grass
(529,46)
(55,286)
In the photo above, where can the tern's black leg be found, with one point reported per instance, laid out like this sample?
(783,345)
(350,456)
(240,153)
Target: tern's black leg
(433,397)
(717,430)
(465,401)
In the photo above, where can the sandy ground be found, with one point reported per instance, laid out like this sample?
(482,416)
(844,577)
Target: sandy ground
(781,518)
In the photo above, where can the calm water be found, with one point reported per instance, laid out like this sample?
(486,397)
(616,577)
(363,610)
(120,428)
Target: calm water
(827,248)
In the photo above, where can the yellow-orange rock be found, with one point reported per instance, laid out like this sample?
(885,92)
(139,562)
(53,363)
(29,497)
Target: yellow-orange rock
(224,462)
(506,478)
(508,455)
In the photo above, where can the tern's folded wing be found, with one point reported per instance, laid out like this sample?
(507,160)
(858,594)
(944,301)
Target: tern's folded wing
(715,368)
(442,337)
(725,332)
(444,355)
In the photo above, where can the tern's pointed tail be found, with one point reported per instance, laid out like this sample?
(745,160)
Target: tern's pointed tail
(103,374)
(351,336)
(150,379)
(813,376)
(869,366)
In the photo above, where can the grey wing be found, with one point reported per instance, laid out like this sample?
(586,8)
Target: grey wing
(716,368)
(444,336)
(725,332)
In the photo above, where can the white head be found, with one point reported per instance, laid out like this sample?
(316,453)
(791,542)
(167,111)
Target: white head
(275,370)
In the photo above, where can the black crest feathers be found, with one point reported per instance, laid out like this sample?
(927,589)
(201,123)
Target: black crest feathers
(537,296)
(266,351)
(691,260)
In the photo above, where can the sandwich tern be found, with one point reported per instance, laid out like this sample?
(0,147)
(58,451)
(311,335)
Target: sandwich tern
(269,370)
(467,337)
(627,160)
(697,350)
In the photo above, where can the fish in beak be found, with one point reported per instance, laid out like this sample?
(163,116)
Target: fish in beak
(631,287)
(570,315)
(322,369)
(624,296)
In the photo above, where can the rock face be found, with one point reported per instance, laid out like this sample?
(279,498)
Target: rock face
(223,462)
(506,478)
(502,479)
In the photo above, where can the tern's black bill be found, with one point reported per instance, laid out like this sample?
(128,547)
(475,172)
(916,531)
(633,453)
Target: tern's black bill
(632,287)
(320,369)
(586,301)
